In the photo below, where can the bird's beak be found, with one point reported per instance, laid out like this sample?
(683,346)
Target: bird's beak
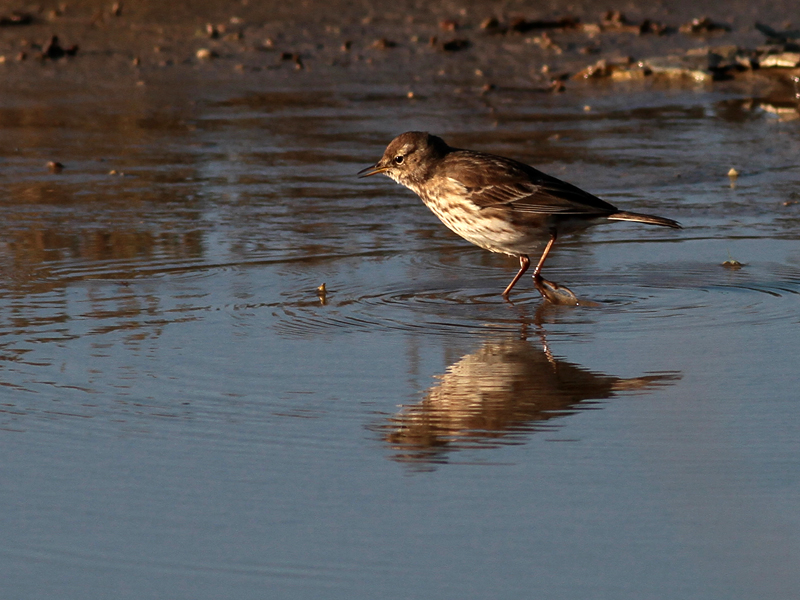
(373,170)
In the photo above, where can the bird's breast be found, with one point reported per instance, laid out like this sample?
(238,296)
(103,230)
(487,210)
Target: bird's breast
(494,229)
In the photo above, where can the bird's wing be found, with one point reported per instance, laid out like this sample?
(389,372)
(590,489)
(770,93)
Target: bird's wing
(539,198)
(514,185)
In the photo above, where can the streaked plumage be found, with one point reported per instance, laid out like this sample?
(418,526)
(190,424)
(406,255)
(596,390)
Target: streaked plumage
(494,202)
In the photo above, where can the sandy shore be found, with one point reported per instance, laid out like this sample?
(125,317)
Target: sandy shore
(415,45)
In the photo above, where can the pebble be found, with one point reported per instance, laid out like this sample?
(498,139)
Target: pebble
(383,44)
(733,265)
(448,25)
(784,60)
(455,45)
(206,54)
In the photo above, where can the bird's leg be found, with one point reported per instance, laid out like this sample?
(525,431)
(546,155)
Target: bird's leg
(524,263)
(550,291)
(537,271)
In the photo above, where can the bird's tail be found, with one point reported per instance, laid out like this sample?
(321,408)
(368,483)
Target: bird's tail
(640,218)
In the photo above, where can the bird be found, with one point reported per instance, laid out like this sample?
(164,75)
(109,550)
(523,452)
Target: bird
(497,203)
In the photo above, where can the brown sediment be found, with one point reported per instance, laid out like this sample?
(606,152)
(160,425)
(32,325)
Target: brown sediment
(508,41)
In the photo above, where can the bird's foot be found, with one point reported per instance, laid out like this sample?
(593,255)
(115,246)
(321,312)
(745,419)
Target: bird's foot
(557,294)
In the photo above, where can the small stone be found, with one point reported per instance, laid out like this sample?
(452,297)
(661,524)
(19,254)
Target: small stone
(206,54)
(16,18)
(733,265)
(598,70)
(383,44)
(490,23)
(448,25)
(55,167)
(592,29)
(53,50)
(676,67)
(634,73)
(784,60)
(455,45)
(704,25)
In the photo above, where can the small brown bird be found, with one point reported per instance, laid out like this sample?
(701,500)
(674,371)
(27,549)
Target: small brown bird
(495,202)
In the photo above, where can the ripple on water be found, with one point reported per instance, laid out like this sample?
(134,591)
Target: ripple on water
(687,295)
(692,295)
(431,311)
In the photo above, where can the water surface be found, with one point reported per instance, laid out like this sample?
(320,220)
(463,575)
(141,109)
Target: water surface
(182,414)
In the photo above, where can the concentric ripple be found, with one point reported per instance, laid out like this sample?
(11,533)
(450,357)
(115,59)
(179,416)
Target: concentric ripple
(429,310)
(647,295)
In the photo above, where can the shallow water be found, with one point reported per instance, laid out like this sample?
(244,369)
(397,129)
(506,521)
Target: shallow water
(182,414)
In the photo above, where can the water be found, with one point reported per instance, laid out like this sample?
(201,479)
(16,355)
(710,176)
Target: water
(183,415)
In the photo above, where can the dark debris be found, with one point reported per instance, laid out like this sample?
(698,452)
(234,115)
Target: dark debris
(704,25)
(53,50)
(455,44)
(16,18)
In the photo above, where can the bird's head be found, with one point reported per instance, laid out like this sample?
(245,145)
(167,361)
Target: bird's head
(409,158)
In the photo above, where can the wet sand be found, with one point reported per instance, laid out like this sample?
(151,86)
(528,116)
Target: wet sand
(474,45)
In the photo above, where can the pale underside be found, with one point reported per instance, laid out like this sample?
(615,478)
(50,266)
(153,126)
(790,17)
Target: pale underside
(499,228)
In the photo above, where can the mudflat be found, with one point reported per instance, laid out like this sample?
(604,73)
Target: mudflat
(419,46)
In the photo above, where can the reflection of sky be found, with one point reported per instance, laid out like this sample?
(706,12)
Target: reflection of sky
(175,403)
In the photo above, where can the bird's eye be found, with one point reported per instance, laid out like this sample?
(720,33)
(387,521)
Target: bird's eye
(398,160)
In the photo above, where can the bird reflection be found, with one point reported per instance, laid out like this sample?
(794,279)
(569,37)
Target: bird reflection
(496,395)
